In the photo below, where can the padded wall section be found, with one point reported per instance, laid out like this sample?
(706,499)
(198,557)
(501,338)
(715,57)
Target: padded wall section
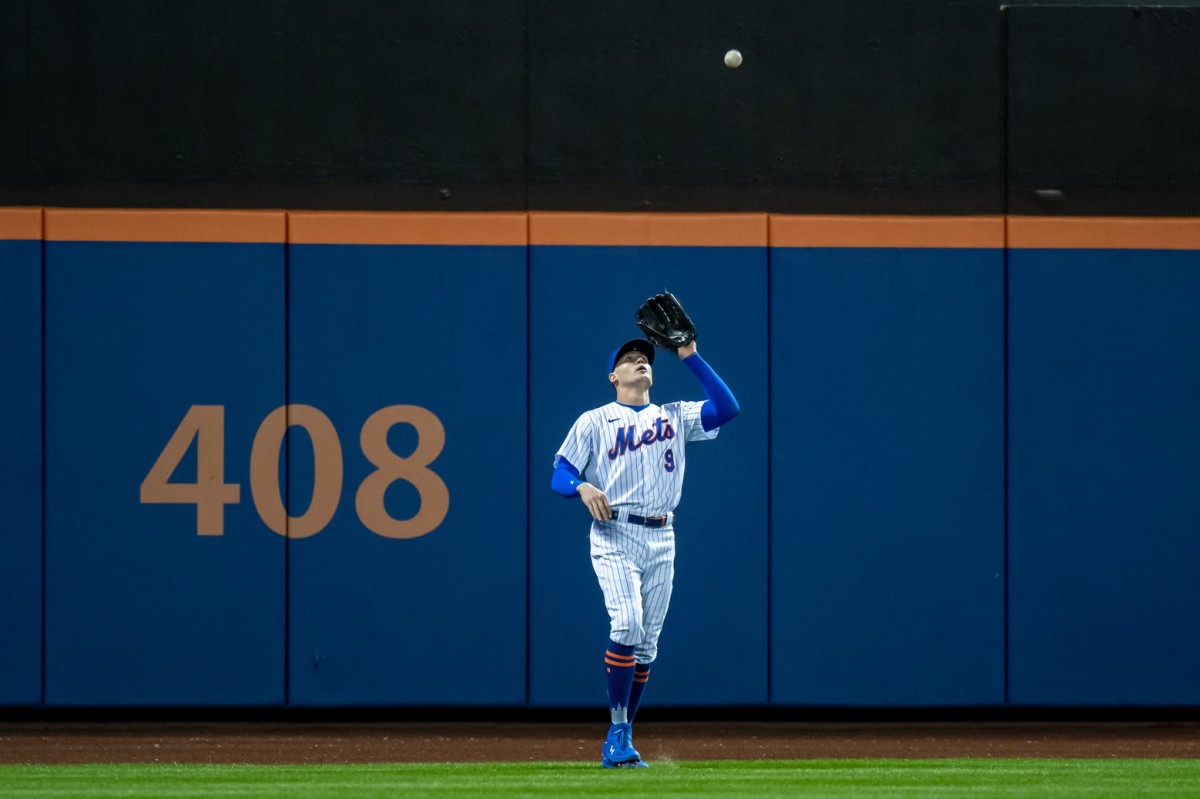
(845,536)
(887,459)
(588,276)
(150,603)
(21,445)
(1104,471)
(414,591)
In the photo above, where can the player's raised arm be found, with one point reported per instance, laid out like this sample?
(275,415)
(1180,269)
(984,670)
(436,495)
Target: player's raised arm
(722,405)
(664,322)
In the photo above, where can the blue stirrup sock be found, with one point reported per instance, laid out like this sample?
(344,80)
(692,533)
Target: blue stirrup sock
(641,675)
(618,664)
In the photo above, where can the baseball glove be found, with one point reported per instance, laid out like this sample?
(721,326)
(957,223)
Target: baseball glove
(665,323)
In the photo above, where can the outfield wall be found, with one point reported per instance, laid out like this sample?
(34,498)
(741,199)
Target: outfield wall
(302,459)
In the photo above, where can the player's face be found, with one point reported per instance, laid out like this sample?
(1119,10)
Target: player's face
(633,367)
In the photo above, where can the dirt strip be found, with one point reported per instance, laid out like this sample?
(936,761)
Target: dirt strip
(375,742)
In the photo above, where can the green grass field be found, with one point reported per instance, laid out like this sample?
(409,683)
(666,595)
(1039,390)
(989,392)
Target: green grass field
(806,778)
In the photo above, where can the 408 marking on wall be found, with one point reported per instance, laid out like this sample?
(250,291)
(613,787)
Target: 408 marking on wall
(205,424)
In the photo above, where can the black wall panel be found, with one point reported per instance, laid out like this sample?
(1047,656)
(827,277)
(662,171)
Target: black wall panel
(1104,110)
(367,104)
(838,107)
(930,106)
(13,102)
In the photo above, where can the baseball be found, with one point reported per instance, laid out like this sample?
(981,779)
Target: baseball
(733,59)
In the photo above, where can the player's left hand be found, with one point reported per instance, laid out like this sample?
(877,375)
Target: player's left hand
(665,323)
(686,350)
(596,502)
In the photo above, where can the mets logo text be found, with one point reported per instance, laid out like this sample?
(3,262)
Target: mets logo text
(628,439)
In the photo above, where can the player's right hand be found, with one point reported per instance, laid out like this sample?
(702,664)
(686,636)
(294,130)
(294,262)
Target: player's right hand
(596,502)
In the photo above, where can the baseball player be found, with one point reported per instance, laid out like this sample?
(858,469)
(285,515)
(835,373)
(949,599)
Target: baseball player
(625,462)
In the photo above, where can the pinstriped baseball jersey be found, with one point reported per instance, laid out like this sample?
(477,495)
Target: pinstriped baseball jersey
(635,456)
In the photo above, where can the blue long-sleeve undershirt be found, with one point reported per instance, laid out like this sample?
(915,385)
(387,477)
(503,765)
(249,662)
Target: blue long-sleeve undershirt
(720,408)
(566,479)
(722,405)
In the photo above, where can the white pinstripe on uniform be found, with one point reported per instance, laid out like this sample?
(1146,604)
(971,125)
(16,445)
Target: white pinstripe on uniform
(637,458)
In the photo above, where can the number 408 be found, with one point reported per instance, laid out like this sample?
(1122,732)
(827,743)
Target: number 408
(210,493)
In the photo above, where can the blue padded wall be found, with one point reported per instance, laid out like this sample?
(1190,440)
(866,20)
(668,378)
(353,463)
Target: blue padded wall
(887,547)
(714,644)
(1104,478)
(439,618)
(21,485)
(140,608)
(844,542)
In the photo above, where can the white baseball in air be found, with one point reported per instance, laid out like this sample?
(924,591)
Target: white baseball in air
(733,59)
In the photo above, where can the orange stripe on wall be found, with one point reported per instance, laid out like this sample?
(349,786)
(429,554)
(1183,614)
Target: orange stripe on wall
(96,224)
(600,229)
(20,223)
(1104,233)
(649,230)
(334,227)
(887,231)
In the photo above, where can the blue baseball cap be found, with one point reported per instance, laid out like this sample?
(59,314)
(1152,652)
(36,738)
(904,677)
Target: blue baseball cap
(640,344)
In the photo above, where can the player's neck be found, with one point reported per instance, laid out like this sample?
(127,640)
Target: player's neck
(633,396)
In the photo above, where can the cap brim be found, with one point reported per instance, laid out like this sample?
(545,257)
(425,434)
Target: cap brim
(640,344)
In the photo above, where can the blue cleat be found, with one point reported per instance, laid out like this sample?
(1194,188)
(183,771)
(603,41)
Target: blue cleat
(618,751)
(631,764)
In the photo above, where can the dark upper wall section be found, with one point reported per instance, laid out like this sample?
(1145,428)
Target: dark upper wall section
(865,107)
(13,108)
(371,104)
(855,107)
(1104,108)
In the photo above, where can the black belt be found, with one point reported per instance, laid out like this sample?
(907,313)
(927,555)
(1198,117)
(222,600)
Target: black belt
(646,521)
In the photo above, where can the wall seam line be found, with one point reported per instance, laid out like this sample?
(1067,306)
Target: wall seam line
(287,466)
(43,453)
(770,473)
(528,467)
(1004,182)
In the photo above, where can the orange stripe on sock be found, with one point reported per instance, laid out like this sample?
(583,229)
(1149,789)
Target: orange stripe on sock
(621,665)
(623,658)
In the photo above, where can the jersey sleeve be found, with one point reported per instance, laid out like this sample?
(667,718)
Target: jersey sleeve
(579,444)
(692,424)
